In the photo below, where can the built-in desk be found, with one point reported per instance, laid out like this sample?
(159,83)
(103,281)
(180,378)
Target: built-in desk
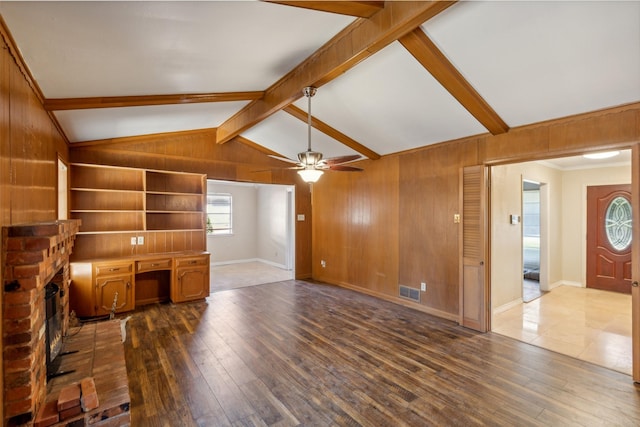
(100,285)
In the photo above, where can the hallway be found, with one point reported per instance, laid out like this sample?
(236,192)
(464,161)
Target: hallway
(588,324)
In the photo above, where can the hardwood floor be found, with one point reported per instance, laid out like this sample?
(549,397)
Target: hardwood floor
(295,353)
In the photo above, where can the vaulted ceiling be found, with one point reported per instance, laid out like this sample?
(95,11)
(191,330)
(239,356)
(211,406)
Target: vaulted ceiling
(392,76)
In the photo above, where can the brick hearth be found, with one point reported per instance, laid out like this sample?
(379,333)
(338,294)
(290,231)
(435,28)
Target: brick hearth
(33,255)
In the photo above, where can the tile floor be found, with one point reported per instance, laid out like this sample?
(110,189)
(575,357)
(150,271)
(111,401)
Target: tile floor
(587,324)
(239,275)
(530,290)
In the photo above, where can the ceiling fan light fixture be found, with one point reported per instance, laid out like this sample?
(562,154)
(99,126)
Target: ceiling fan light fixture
(310,158)
(310,175)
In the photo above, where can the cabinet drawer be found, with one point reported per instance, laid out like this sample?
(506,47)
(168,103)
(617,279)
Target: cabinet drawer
(189,261)
(113,268)
(155,264)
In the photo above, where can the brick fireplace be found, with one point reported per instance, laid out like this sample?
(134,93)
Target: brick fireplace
(33,256)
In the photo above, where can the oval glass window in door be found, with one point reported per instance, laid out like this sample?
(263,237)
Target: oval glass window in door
(618,222)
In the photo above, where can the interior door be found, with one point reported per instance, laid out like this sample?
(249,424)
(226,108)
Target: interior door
(609,237)
(474,295)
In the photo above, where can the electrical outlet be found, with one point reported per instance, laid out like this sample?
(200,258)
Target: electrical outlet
(323,263)
(133,241)
(423,287)
(141,240)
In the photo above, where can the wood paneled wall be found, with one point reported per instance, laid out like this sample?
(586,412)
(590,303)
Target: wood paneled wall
(198,152)
(393,224)
(355,227)
(30,145)
(30,148)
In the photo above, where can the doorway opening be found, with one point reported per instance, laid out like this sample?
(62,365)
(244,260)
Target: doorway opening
(588,324)
(250,233)
(531,240)
(63,189)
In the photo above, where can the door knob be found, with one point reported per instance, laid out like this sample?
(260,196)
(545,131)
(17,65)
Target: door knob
(635,284)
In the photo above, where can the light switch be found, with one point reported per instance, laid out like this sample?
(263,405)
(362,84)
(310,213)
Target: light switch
(141,240)
(300,217)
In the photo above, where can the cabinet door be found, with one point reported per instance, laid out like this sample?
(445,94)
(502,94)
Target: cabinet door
(106,288)
(191,283)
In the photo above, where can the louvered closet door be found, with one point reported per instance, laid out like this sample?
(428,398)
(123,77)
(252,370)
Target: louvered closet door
(474,295)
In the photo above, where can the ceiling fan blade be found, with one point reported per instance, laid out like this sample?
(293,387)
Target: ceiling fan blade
(344,168)
(283,159)
(341,159)
(272,169)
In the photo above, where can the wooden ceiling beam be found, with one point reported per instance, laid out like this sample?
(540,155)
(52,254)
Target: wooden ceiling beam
(356,42)
(333,133)
(431,58)
(255,146)
(136,139)
(361,9)
(146,100)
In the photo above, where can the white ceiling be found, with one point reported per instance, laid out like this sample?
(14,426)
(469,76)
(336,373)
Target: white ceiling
(623,158)
(531,61)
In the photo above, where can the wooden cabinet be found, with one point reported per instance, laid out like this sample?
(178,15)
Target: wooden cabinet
(139,280)
(153,280)
(114,287)
(164,263)
(191,278)
(95,287)
(129,211)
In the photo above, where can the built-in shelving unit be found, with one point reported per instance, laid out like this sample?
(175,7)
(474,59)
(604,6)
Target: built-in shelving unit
(163,210)
(174,201)
(107,199)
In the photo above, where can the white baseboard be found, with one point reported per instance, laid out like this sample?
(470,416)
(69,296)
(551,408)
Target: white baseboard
(273,264)
(234,261)
(507,306)
(241,261)
(566,283)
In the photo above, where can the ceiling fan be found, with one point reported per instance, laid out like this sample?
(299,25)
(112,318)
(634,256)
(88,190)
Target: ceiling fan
(310,164)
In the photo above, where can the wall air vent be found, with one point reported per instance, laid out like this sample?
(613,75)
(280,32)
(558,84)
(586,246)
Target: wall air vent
(410,293)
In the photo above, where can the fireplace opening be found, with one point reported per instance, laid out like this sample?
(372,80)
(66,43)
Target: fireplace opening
(53,328)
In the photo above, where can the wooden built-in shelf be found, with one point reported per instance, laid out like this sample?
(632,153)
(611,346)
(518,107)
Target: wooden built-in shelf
(116,204)
(106,177)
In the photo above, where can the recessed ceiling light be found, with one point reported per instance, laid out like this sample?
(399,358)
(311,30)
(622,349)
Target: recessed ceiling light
(602,155)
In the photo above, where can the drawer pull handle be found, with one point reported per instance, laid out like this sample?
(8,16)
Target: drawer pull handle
(154,265)
(193,262)
(114,269)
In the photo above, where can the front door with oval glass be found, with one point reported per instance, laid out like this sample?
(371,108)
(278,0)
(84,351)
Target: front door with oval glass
(609,229)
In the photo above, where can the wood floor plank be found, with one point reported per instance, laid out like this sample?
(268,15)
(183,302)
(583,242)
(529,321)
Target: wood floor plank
(296,353)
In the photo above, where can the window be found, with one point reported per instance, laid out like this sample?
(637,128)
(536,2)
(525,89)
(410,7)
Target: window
(618,223)
(219,214)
